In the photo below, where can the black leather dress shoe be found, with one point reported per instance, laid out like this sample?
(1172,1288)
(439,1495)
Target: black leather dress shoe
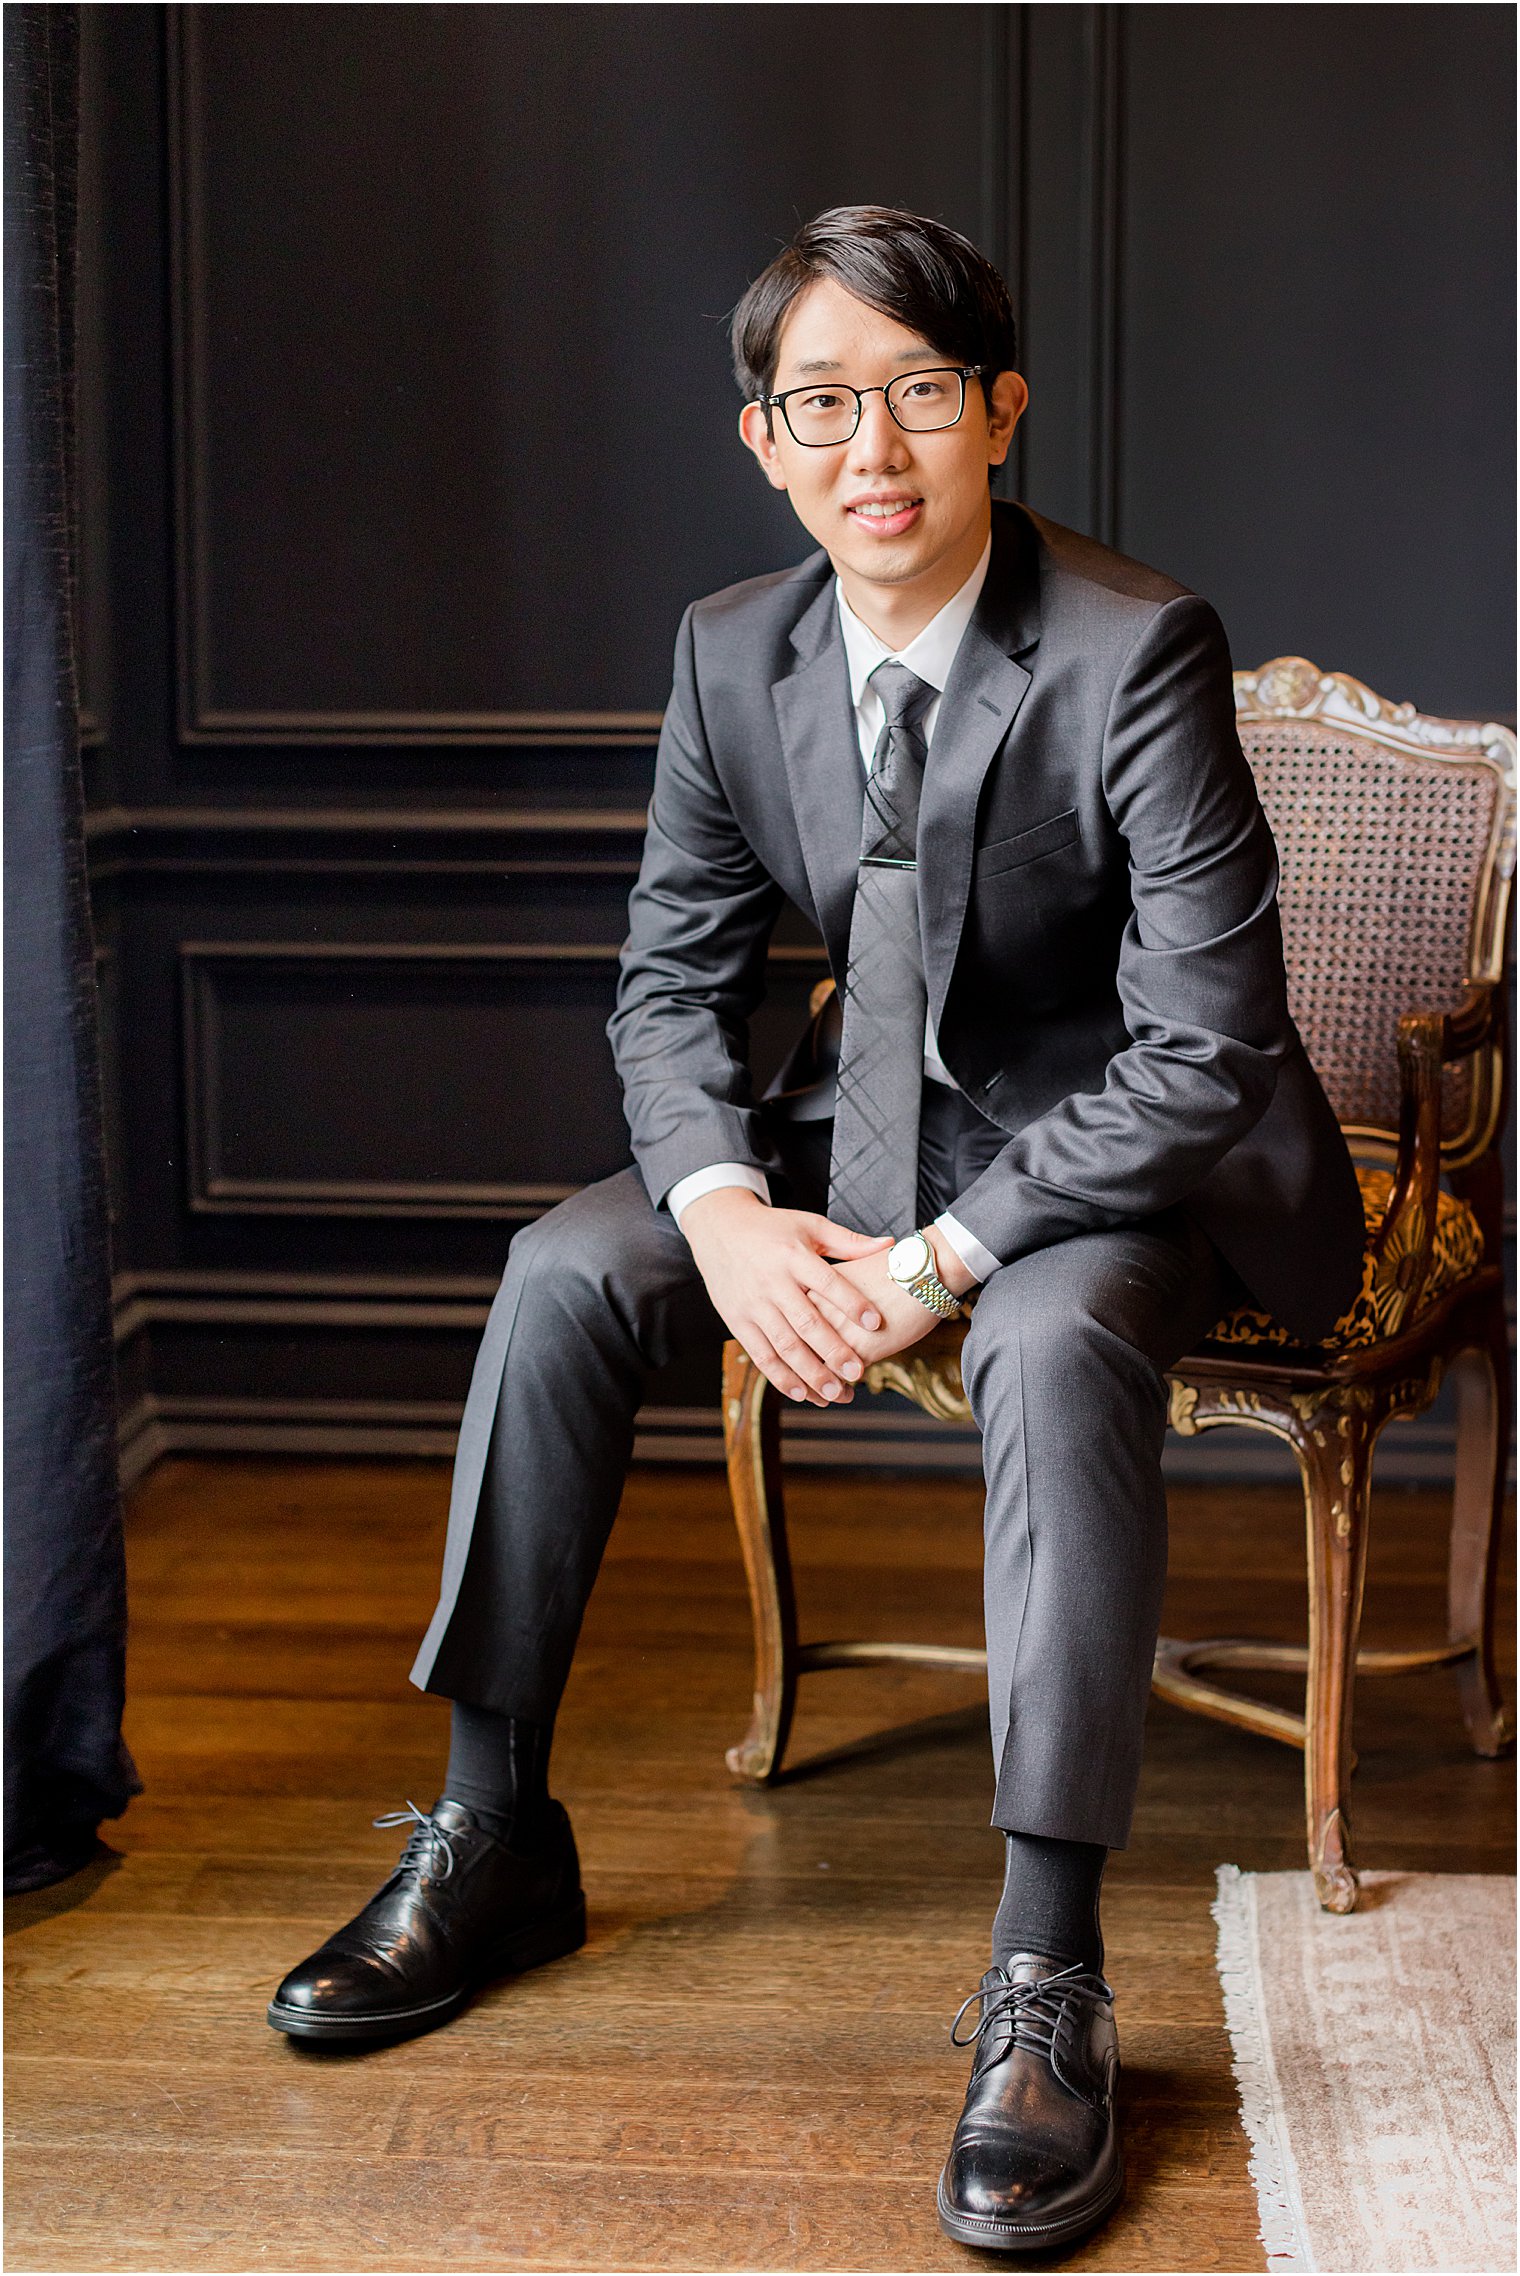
(459,1909)
(1035,2158)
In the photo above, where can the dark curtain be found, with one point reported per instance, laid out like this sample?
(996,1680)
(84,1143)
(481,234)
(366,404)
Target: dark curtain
(66,1767)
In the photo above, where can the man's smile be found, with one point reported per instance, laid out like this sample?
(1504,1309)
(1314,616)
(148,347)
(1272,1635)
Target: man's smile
(886,514)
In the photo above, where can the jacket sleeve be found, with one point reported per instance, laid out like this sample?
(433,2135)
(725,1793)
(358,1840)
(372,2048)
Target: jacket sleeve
(1200,976)
(693,966)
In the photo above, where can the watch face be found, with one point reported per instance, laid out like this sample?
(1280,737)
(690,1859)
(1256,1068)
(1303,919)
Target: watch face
(911,1258)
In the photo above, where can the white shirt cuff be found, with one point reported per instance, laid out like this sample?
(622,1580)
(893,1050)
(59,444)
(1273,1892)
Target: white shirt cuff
(967,1247)
(711,1180)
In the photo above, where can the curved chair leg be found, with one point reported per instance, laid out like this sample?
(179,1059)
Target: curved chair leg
(1476,1511)
(1335,1456)
(752,1433)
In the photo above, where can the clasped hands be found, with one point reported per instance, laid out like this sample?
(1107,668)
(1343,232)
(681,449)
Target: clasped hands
(810,1325)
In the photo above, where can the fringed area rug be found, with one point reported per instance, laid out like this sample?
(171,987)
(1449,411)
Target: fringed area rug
(1376,2060)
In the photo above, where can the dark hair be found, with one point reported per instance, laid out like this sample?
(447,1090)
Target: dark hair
(917,271)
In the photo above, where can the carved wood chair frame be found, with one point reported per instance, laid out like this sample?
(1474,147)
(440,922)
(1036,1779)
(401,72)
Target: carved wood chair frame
(1328,1406)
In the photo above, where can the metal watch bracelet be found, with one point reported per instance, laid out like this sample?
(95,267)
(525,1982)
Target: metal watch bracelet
(929,1289)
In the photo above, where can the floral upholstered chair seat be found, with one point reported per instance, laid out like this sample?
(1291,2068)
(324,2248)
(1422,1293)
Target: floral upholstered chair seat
(1378,1310)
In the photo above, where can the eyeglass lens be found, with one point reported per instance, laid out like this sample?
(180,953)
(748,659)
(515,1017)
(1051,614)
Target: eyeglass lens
(920,401)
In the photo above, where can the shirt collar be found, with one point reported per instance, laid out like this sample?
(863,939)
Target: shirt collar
(929,653)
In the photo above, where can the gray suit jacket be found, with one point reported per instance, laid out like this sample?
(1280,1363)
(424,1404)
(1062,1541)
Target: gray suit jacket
(1097,895)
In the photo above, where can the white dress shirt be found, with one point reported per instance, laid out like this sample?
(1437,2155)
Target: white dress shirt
(929,655)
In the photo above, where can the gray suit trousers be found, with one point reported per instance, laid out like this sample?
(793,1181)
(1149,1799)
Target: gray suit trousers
(1064,1366)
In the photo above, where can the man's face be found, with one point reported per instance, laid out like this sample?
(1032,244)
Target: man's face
(890,508)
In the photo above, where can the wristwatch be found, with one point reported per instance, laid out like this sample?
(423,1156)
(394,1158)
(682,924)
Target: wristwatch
(910,1262)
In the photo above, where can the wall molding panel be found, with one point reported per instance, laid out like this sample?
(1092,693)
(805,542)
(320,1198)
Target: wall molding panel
(237,131)
(338,974)
(416,841)
(408,990)
(1104,29)
(1069,197)
(201,719)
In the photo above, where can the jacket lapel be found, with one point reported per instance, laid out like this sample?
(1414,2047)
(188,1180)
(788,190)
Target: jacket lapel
(822,751)
(978,708)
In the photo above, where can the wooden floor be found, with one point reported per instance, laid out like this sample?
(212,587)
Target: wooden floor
(747,2066)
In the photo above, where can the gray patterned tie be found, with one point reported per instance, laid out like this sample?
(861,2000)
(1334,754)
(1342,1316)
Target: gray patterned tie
(873,1169)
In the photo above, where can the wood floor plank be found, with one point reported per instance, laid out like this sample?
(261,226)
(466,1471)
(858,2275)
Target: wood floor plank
(855,2126)
(380,2213)
(747,2065)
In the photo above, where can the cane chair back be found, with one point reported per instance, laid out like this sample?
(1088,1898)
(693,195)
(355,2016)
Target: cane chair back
(1396,836)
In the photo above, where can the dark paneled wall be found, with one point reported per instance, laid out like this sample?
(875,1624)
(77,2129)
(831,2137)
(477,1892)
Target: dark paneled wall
(408,433)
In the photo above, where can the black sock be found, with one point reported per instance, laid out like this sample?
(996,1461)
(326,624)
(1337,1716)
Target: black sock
(499,1769)
(1050,1900)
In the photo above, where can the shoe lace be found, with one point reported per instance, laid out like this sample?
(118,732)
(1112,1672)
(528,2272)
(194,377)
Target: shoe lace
(428,1846)
(1031,2010)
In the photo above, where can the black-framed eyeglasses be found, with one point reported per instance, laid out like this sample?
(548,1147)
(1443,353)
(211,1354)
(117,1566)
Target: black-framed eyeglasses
(920,401)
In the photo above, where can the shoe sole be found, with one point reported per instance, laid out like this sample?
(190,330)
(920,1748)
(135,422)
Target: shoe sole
(989,2234)
(546,1940)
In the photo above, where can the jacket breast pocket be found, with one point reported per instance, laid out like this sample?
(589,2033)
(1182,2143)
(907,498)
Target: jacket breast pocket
(1028,845)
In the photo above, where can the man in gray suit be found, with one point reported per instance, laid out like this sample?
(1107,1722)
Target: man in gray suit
(996,765)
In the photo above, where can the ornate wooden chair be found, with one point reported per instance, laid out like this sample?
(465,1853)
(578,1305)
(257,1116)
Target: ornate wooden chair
(1396,834)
